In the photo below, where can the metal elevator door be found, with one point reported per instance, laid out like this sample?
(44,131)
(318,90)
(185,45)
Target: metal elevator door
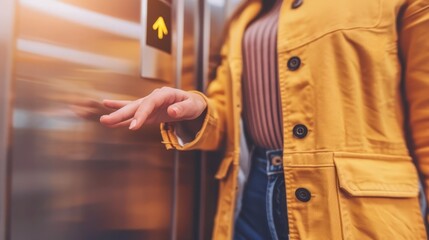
(62,174)
(71,177)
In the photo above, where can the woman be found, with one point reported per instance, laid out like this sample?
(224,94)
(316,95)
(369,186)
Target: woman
(325,110)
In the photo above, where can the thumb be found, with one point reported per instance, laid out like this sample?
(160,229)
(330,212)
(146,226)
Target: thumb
(184,110)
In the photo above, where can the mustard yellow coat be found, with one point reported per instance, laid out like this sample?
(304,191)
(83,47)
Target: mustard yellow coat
(364,75)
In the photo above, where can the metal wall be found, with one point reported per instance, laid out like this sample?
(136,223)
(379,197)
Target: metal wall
(70,177)
(6,67)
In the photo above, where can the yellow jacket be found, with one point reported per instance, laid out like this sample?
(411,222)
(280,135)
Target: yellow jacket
(364,75)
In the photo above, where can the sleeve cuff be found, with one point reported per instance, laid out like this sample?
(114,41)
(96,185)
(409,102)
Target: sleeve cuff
(174,138)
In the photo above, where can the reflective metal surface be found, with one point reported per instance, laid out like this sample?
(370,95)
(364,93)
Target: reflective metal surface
(70,177)
(6,66)
(73,178)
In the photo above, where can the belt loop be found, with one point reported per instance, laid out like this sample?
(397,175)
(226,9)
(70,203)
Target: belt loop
(274,161)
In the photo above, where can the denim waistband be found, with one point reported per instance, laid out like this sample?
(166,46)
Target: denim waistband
(269,160)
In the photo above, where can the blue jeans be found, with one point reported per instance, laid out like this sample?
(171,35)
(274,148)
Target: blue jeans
(263,212)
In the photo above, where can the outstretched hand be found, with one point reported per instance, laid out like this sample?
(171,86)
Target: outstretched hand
(162,105)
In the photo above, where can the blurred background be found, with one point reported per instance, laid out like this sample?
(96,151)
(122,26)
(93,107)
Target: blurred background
(62,174)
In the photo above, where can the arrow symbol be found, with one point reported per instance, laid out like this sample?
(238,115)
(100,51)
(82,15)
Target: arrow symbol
(161,27)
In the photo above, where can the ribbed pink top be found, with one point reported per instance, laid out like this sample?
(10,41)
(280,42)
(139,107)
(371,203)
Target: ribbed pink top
(261,96)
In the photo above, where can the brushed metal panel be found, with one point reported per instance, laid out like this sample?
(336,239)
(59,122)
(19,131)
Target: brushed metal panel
(73,178)
(6,67)
(186,163)
(178,8)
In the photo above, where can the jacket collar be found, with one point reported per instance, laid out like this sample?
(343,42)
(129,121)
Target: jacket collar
(238,27)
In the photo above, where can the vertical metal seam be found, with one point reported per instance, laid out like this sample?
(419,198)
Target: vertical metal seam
(205,48)
(179,15)
(199,221)
(206,44)
(6,111)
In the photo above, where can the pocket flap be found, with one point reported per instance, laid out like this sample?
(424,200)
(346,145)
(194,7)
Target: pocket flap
(377,175)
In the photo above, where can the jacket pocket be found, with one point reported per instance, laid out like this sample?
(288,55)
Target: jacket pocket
(378,197)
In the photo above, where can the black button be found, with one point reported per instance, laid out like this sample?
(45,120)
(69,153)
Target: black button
(294,63)
(300,131)
(303,195)
(297,3)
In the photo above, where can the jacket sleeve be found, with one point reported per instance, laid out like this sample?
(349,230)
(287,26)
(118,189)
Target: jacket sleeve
(414,46)
(212,131)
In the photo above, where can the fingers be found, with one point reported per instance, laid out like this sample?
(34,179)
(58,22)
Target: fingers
(181,109)
(153,108)
(156,104)
(115,104)
(156,99)
(120,115)
(188,109)
(121,124)
(140,117)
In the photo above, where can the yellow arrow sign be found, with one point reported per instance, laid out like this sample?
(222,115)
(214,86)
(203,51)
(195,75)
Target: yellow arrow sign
(161,27)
